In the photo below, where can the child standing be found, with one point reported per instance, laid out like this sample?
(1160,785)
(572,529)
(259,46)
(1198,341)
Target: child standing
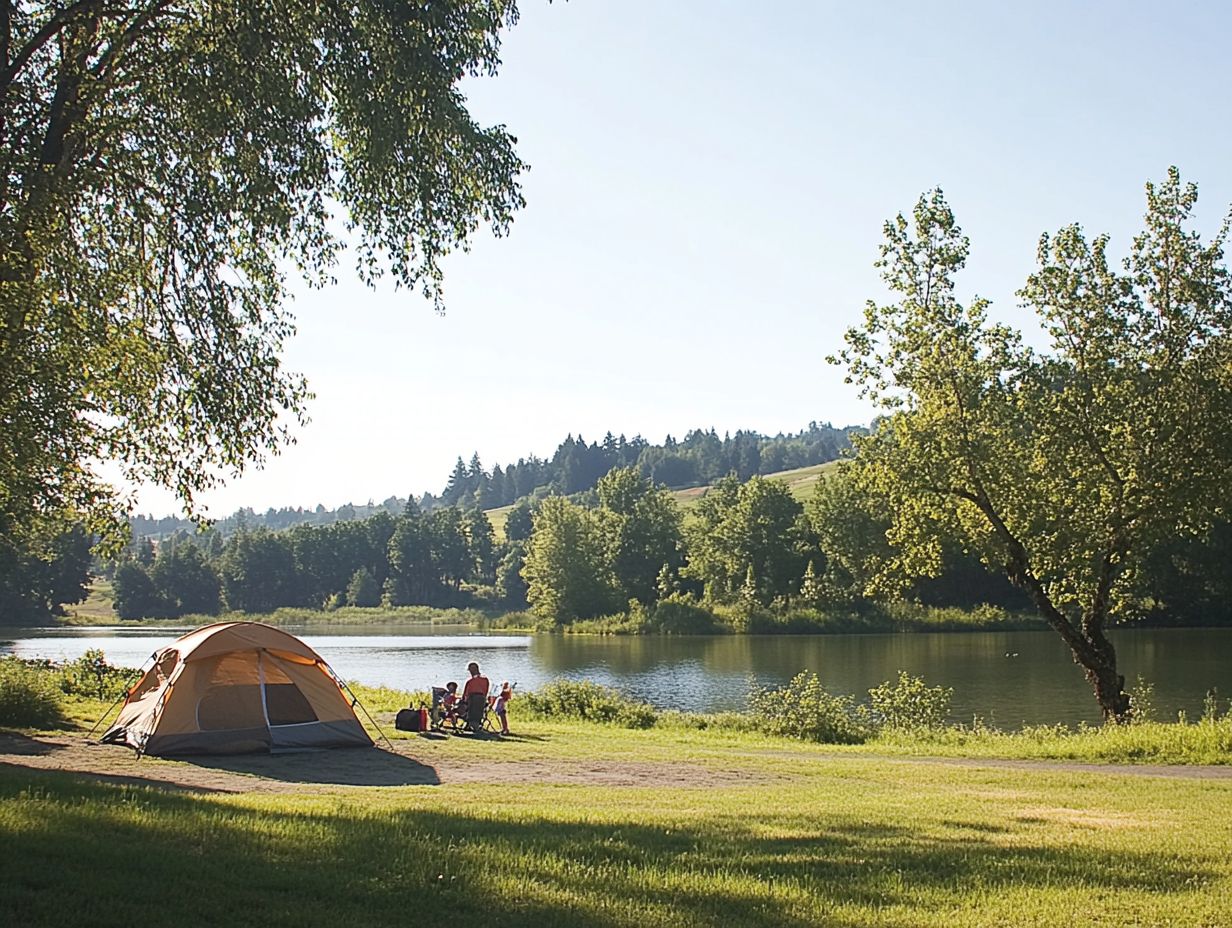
(500,707)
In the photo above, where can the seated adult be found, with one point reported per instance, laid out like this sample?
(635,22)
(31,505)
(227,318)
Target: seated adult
(477,686)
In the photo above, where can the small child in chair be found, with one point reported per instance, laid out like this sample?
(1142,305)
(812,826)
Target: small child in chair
(444,702)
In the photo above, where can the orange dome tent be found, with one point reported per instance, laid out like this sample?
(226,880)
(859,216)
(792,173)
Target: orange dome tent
(235,688)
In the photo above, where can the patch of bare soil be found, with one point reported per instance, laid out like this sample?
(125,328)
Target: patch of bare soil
(348,767)
(380,766)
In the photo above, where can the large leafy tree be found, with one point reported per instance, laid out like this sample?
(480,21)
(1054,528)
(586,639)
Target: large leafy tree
(186,582)
(37,579)
(565,568)
(163,165)
(640,527)
(1065,467)
(258,572)
(756,529)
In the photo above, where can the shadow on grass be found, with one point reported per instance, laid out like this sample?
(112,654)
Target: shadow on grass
(12,742)
(358,766)
(356,863)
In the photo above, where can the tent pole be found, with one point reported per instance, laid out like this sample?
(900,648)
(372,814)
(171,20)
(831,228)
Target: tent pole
(123,696)
(355,702)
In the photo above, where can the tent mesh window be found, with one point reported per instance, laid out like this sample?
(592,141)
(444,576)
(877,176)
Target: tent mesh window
(284,702)
(232,700)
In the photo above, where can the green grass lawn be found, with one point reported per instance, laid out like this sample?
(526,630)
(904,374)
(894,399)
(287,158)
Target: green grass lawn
(98,607)
(713,827)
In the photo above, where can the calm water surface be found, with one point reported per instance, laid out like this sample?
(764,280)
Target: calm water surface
(1007,678)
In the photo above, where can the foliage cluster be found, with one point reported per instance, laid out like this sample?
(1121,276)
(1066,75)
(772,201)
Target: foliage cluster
(591,702)
(42,571)
(30,696)
(32,691)
(409,559)
(581,563)
(163,165)
(909,704)
(803,709)
(701,458)
(1070,468)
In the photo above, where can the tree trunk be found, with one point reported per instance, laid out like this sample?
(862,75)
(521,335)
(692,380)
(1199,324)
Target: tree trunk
(1091,648)
(1109,689)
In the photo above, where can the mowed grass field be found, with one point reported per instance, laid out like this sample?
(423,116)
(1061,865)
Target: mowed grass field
(583,825)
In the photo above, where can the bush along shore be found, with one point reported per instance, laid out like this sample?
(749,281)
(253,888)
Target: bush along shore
(903,716)
(675,615)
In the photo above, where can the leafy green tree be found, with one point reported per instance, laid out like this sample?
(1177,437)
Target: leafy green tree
(565,570)
(1064,468)
(134,595)
(258,572)
(412,578)
(851,526)
(451,557)
(322,564)
(640,525)
(509,582)
(186,582)
(520,522)
(363,590)
(145,553)
(39,576)
(1187,580)
(749,533)
(481,542)
(162,162)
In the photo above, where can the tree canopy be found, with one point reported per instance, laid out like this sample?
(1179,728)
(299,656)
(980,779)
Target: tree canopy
(164,164)
(1066,468)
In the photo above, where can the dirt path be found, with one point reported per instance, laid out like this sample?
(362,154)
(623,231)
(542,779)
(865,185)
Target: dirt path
(340,768)
(360,767)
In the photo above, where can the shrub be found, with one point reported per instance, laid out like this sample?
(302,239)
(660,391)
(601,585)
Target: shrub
(803,709)
(29,695)
(678,614)
(90,675)
(910,704)
(1142,702)
(622,623)
(573,699)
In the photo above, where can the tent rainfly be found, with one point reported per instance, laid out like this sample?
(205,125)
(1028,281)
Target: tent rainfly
(236,688)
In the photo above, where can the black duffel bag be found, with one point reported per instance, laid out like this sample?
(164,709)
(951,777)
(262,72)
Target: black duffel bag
(411,720)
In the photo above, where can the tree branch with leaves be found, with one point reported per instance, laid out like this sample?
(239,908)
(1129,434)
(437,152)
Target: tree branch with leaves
(164,164)
(1065,468)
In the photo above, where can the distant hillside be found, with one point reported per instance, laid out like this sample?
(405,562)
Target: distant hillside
(688,466)
(800,480)
(699,460)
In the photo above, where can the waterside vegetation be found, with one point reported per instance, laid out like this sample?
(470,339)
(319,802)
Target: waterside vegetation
(904,716)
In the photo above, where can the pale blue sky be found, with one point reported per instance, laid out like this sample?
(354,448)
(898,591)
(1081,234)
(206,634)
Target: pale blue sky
(708,185)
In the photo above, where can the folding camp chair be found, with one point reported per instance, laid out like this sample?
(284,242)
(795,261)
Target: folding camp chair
(478,718)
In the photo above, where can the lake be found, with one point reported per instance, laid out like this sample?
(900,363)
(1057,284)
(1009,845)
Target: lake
(1007,678)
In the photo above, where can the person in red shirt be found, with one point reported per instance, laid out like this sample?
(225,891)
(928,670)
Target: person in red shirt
(477,685)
